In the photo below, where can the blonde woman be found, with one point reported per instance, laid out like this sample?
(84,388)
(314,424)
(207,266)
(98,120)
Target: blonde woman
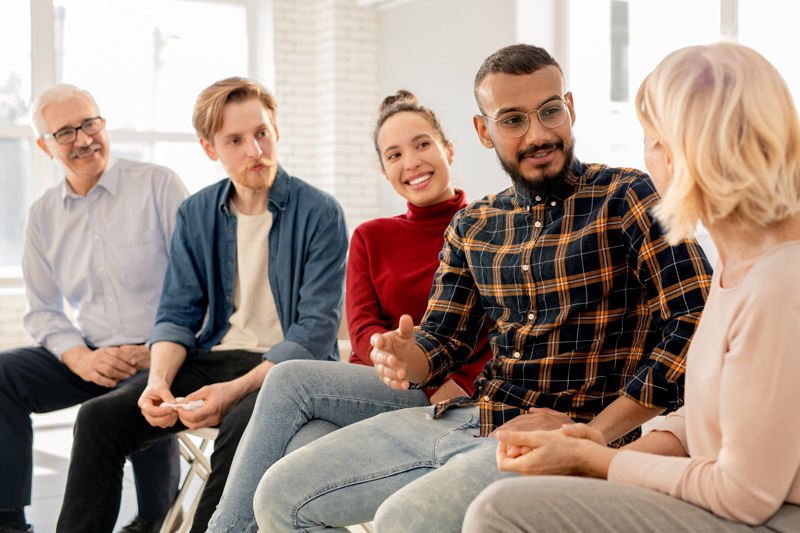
(722,144)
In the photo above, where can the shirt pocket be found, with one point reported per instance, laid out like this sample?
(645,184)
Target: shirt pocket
(143,260)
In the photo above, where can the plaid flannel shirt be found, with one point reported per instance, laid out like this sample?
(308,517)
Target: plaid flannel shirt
(589,301)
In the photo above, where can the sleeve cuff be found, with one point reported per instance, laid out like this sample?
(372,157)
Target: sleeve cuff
(59,343)
(675,423)
(169,332)
(286,351)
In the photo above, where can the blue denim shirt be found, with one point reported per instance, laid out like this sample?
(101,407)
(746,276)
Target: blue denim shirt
(307,261)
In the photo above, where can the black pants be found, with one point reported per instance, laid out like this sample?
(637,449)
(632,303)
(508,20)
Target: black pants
(32,380)
(112,426)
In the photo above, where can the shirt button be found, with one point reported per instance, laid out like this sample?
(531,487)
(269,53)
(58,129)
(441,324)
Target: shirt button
(485,398)
(96,237)
(230,262)
(553,203)
(537,224)
(531,316)
(101,269)
(517,355)
(525,268)
(230,230)
(538,198)
(227,296)
(111,299)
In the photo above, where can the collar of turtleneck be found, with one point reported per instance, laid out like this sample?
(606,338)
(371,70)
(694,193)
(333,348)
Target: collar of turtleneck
(445,209)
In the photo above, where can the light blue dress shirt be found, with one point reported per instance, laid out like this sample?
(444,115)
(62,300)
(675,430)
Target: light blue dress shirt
(105,254)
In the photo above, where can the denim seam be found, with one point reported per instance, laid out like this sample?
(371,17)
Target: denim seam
(373,477)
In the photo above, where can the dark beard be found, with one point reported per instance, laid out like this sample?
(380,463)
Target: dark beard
(549,182)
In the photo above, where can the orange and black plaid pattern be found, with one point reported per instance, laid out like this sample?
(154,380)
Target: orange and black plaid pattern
(587,298)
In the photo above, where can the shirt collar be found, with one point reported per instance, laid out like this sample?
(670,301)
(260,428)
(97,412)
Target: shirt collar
(109,180)
(278,193)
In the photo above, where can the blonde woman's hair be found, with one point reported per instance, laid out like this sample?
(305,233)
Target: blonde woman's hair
(55,95)
(207,115)
(732,128)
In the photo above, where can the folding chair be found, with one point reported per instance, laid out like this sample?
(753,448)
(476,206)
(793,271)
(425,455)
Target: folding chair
(177,519)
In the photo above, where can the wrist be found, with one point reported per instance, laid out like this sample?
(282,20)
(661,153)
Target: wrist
(594,460)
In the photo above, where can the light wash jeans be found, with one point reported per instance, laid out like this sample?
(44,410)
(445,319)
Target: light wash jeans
(300,401)
(409,472)
(574,505)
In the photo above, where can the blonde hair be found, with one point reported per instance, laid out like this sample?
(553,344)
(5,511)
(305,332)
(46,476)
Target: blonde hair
(207,115)
(55,95)
(731,125)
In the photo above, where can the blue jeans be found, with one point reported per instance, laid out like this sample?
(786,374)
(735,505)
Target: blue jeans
(300,401)
(32,380)
(409,472)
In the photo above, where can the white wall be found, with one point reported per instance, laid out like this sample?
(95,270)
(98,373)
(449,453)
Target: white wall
(433,48)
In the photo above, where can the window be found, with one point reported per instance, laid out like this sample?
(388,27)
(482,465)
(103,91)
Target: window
(144,61)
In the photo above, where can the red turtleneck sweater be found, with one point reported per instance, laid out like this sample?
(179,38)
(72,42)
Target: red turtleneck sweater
(390,272)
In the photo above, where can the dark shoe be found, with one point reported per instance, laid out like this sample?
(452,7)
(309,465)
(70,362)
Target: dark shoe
(24,528)
(138,525)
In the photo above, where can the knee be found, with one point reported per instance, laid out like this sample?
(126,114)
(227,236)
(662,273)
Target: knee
(484,513)
(404,512)
(272,504)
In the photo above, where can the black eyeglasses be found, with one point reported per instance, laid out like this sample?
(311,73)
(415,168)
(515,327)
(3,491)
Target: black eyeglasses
(67,135)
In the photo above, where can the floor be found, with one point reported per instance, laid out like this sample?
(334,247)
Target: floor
(52,441)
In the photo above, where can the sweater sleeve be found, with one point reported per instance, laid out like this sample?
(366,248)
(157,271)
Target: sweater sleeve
(364,316)
(758,424)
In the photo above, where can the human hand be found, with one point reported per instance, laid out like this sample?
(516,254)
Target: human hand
(137,355)
(218,398)
(392,352)
(449,390)
(151,403)
(547,452)
(105,366)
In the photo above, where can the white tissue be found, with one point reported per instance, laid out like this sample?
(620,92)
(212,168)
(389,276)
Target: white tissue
(189,406)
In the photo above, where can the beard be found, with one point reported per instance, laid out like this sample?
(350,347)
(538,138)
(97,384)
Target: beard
(256,181)
(549,181)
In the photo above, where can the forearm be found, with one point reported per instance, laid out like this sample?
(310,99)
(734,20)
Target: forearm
(658,443)
(165,360)
(621,417)
(253,380)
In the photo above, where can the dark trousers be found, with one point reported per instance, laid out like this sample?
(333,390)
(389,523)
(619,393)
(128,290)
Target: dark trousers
(32,380)
(111,427)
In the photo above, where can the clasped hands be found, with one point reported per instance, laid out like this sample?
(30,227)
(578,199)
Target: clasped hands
(545,442)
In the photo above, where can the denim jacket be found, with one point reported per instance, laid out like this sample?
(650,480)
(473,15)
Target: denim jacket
(307,261)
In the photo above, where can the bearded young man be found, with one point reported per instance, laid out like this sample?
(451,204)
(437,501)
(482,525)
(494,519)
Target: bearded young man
(255,278)
(592,312)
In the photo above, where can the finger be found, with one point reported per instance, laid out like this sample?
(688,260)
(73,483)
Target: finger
(406,326)
(519,438)
(396,384)
(102,380)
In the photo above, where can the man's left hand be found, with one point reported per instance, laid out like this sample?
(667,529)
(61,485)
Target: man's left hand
(219,398)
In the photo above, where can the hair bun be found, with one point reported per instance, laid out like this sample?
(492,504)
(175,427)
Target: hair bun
(399,96)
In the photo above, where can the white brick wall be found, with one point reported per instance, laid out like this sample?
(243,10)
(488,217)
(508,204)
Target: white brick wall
(326,54)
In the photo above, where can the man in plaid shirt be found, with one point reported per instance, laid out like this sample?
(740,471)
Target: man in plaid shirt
(592,312)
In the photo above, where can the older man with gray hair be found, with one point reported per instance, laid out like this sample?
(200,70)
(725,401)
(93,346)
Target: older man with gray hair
(100,241)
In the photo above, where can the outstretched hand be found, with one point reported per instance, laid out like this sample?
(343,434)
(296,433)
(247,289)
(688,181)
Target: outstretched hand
(393,351)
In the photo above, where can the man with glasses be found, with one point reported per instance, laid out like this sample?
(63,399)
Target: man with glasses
(592,313)
(100,241)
